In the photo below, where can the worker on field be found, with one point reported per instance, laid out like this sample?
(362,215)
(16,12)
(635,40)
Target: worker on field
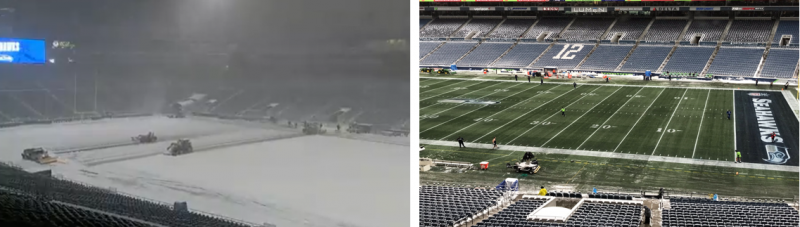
(461,142)
(338,127)
(541,80)
(542,192)
(515,77)
(564,111)
(529,78)
(786,87)
(738,156)
(773,137)
(729,114)
(574,85)
(494,142)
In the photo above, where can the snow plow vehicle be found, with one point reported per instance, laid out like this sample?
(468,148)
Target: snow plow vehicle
(313,128)
(38,155)
(526,165)
(149,138)
(182,146)
(359,128)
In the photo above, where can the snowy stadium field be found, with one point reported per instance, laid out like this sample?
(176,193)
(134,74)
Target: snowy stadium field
(681,128)
(253,173)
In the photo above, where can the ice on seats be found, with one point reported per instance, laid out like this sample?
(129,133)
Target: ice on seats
(631,29)
(584,29)
(553,25)
(709,30)
(749,31)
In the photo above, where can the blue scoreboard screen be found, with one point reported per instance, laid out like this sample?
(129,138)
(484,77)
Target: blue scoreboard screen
(22,51)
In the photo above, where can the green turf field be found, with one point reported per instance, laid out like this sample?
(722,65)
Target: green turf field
(681,120)
(675,122)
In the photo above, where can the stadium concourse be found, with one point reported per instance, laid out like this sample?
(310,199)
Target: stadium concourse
(627,113)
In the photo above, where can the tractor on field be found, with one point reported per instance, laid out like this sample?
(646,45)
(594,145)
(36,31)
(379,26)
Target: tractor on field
(426,70)
(359,128)
(182,146)
(38,155)
(149,138)
(527,164)
(443,71)
(311,128)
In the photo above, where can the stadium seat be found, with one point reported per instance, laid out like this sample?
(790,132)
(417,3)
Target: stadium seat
(512,28)
(780,63)
(731,61)
(606,57)
(709,30)
(665,30)
(441,28)
(749,31)
(689,59)
(484,54)
(552,25)
(448,53)
(521,55)
(480,26)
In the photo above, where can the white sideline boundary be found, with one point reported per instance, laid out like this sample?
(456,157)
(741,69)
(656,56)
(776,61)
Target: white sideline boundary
(696,139)
(602,84)
(609,118)
(669,121)
(440,124)
(603,154)
(793,103)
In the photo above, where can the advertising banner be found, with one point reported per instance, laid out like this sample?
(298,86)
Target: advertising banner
(22,51)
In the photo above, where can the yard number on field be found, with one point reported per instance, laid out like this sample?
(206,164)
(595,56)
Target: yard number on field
(428,116)
(541,123)
(670,130)
(484,119)
(459,88)
(603,126)
(680,97)
(500,90)
(588,94)
(569,54)
(634,96)
(425,86)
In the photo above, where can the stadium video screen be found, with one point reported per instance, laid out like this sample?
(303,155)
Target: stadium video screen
(22,51)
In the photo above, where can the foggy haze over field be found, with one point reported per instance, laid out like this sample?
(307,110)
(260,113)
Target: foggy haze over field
(145,54)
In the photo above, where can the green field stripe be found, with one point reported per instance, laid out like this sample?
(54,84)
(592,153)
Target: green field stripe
(478,132)
(427,101)
(644,135)
(700,127)
(486,115)
(465,93)
(436,86)
(608,118)
(680,142)
(445,127)
(552,118)
(716,133)
(454,111)
(666,127)
(584,126)
(455,91)
(622,123)
(517,116)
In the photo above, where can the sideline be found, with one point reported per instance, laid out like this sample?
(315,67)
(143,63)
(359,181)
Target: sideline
(603,154)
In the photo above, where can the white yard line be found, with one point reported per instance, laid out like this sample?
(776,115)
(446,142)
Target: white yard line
(584,114)
(637,121)
(467,94)
(531,128)
(472,110)
(500,110)
(518,117)
(701,124)
(609,118)
(447,92)
(442,87)
(670,120)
